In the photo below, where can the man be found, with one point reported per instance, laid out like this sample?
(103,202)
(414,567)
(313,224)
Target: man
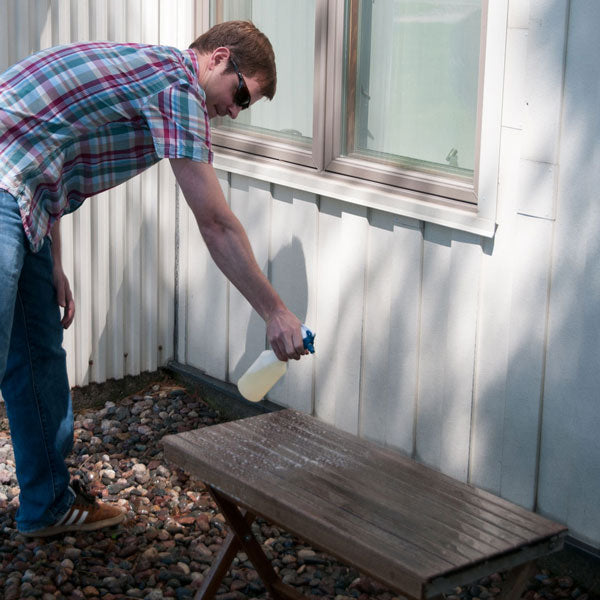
(74,121)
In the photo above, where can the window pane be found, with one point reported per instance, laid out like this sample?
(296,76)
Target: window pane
(290,26)
(411,80)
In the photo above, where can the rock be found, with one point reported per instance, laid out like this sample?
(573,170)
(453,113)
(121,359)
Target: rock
(184,568)
(72,554)
(150,554)
(141,473)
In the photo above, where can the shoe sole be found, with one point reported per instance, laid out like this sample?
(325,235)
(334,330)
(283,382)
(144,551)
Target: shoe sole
(55,530)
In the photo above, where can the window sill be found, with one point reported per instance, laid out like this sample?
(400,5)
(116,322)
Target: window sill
(406,203)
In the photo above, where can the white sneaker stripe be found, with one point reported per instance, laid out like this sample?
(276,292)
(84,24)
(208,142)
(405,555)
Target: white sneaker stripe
(64,517)
(73,517)
(83,517)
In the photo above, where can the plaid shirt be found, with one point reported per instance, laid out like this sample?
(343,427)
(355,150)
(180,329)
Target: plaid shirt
(79,119)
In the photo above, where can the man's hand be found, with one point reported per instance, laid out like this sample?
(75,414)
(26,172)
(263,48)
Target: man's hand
(285,336)
(64,296)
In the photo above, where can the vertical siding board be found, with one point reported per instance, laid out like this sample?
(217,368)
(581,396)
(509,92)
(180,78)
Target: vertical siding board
(99,19)
(207,292)
(341,283)
(434,308)
(168,23)
(5,27)
(182,292)
(133,20)
(527,329)
(41,23)
(544,74)
(133,274)
(61,22)
(21,31)
(293,274)
(149,266)
(186,21)
(82,283)
(494,326)
(166,262)
(448,325)
(115,322)
(117,21)
(569,480)
(391,331)
(100,290)
(251,202)
(149,21)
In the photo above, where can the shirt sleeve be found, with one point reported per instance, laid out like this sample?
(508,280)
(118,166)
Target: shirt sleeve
(179,124)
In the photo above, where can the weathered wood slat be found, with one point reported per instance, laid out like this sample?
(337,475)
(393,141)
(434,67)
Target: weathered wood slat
(487,510)
(443,537)
(331,439)
(374,499)
(392,518)
(361,501)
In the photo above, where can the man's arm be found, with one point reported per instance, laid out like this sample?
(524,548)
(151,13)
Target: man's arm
(64,296)
(230,248)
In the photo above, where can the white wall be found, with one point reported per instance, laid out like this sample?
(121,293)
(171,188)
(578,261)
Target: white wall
(478,357)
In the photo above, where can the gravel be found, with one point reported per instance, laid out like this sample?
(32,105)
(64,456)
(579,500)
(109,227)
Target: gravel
(173,528)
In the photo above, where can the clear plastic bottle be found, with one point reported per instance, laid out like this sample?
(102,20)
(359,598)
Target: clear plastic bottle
(267,369)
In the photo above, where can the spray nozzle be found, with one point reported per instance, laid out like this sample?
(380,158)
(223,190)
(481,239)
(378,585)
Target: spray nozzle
(308,338)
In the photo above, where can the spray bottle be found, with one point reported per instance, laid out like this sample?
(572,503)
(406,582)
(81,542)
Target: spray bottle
(267,369)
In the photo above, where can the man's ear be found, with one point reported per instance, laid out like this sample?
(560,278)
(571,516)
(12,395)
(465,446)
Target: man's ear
(219,55)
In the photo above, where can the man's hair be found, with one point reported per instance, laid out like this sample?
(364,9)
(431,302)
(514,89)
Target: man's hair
(249,47)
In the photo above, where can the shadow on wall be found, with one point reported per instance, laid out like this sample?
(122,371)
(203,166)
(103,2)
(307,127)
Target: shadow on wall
(291,260)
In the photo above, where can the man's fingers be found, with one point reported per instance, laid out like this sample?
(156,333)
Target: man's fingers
(69,314)
(69,306)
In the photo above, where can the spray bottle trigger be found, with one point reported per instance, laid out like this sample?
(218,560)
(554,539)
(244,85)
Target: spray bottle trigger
(308,339)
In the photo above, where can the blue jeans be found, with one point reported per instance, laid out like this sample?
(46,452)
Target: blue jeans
(33,373)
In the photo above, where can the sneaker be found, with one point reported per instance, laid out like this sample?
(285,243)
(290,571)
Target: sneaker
(86,514)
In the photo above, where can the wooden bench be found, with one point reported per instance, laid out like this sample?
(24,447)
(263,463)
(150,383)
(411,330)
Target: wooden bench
(411,528)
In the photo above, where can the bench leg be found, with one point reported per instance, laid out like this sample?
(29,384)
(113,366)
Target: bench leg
(219,568)
(516,580)
(240,527)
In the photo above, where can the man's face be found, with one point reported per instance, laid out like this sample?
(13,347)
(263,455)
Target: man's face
(220,89)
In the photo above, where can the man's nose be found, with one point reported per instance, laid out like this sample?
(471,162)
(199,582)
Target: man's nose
(234,110)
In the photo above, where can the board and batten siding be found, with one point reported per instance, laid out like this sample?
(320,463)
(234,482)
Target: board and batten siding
(478,357)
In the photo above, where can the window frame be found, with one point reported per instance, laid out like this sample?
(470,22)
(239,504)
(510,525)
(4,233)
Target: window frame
(433,184)
(321,169)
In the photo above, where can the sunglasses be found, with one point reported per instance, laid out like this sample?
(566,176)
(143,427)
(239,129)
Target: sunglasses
(242,94)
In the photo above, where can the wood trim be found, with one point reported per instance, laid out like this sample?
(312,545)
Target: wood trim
(351,70)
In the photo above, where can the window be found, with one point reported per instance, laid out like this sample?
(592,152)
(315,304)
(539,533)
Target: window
(281,128)
(381,91)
